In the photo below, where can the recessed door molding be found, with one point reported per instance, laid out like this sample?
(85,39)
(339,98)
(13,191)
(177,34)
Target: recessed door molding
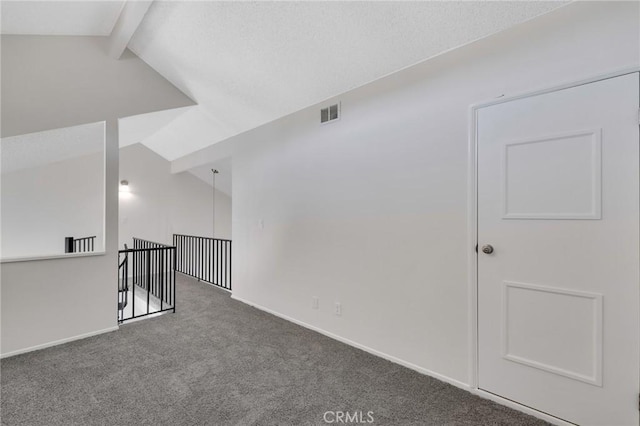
(593,303)
(589,141)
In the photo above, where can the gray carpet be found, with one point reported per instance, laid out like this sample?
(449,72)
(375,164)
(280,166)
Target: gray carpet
(219,362)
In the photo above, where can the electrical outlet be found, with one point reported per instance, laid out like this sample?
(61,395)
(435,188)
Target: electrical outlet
(338,309)
(315,303)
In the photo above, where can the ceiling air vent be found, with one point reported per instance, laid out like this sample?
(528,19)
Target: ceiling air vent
(330,113)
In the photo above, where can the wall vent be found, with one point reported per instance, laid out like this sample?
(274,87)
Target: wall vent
(330,113)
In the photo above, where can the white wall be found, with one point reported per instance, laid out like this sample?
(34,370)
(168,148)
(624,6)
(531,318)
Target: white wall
(371,211)
(45,302)
(49,83)
(160,203)
(43,205)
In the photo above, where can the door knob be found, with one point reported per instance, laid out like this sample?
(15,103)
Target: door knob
(487,249)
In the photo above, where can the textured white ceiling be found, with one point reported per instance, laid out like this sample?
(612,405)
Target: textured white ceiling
(248,63)
(89,18)
(36,149)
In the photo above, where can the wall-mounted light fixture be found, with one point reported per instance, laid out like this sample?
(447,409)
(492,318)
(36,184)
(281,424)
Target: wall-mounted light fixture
(124,186)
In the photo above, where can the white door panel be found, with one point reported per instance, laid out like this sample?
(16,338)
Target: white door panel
(559,299)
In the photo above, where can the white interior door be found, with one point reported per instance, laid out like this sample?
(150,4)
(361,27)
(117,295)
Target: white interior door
(558,299)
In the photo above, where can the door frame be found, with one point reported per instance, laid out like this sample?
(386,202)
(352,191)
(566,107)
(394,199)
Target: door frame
(472,232)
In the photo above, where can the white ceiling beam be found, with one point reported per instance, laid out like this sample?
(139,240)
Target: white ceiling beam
(130,18)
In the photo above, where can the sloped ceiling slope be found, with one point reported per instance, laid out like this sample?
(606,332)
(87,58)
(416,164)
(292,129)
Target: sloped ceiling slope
(53,82)
(58,70)
(248,63)
(37,149)
(72,18)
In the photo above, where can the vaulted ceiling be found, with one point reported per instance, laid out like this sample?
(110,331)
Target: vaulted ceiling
(75,18)
(51,146)
(248,63)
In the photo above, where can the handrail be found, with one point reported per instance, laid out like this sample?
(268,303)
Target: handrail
(152,272)
(197,236)
(79,245)
(123,286)
(205,258)
(136,239)
(145,249)
(126,256)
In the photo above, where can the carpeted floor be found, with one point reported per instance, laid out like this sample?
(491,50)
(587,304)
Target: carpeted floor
(219,362)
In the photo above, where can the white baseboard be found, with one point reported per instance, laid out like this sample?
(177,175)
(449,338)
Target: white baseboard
(427,372)
(372,351)
(519,407)
(58,342)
